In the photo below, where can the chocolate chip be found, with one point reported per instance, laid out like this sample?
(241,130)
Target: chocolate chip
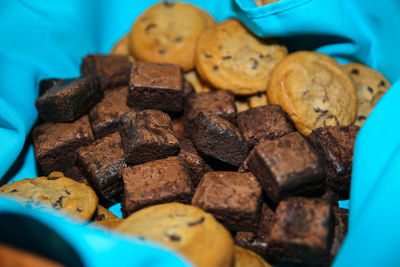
(78,210)
(354,71)
(255,64)
(13,191)
(162,51)
(150,26)
(361,118)
(99,217)
(141,238)
(68,193)
(58,204)
(200,221)
(370,90)
(330,117)
(215,68)
(174,237)
(382,83)
(208,56)
(53,177)
(226,57)
(323,111)
(178,39)
(168,4)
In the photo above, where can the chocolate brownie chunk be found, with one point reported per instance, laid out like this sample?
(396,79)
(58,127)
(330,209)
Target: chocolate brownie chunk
(147,135)
(101,162)
(341,219)
(286,166)
(69,99)
(56,143)
(104,117)
(75,174)
(233,198)
(112,70)
(178,127)
(155,182)
(156,86)
(46,84)
(219,139)
(195,164)
(188,88)
(302,231)
(263,123)
(221,103)
(331,196)
(335,144)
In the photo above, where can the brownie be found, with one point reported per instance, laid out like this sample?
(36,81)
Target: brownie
(104,117)
(69,99)
(188,89)
(341,220)
(219,139)
(46,84)
(56,143)
(155,182)
(221,103)
(147,135)
(196,166)
(233,198)
(331,196)
(101,162)
(286,166)
(178,127)
(335,145)
(302,231)
(75,174)
(156,86)
(112,70)
(263,123)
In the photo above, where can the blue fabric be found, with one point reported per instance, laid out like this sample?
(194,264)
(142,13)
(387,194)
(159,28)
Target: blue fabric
(41,39)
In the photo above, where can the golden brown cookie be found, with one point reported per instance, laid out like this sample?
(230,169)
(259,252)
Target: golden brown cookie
(56,191)
(241,105)
(257,100)
(185,228)
(247,258)
(122,47)
(167,33)
(314,90)
(370,86)
(104,217)
(199,85)
(230,57)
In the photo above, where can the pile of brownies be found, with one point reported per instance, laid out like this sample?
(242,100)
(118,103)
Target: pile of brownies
(139,134)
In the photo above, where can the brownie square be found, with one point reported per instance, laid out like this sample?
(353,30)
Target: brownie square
(302,231)
(56,143)
(196,166)
(69,99)
(263,123)
(155,182)
(75,174)
(233,198)
(341,220)
(112,70)
(104,116)
(220,103)
(335,144)
(147,135)
(286,166)
(46,84)
(101,162)
(188,88)
(219,139)
(156,86)
(178,127)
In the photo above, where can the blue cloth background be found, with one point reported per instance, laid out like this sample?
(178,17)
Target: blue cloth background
(41,39)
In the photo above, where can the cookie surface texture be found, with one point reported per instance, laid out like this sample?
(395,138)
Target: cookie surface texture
(56,191)
(370,86)
(314,90)
(230,57)
(187,229)
(167,33)
(246,258)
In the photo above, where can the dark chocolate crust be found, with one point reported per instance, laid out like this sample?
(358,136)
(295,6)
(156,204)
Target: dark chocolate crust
(156,86)
(101,162)
(56,143)
(112,70)
(147,135)
(335,145)
(219,139)
(341,220)
(286,166)
(233,198)
(104,116)
(46,84)
(155,182)
(263,123)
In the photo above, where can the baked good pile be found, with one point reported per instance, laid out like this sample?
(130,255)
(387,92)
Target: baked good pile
(218,144)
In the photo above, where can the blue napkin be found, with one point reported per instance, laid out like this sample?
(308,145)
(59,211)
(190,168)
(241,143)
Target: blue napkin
(41,39)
